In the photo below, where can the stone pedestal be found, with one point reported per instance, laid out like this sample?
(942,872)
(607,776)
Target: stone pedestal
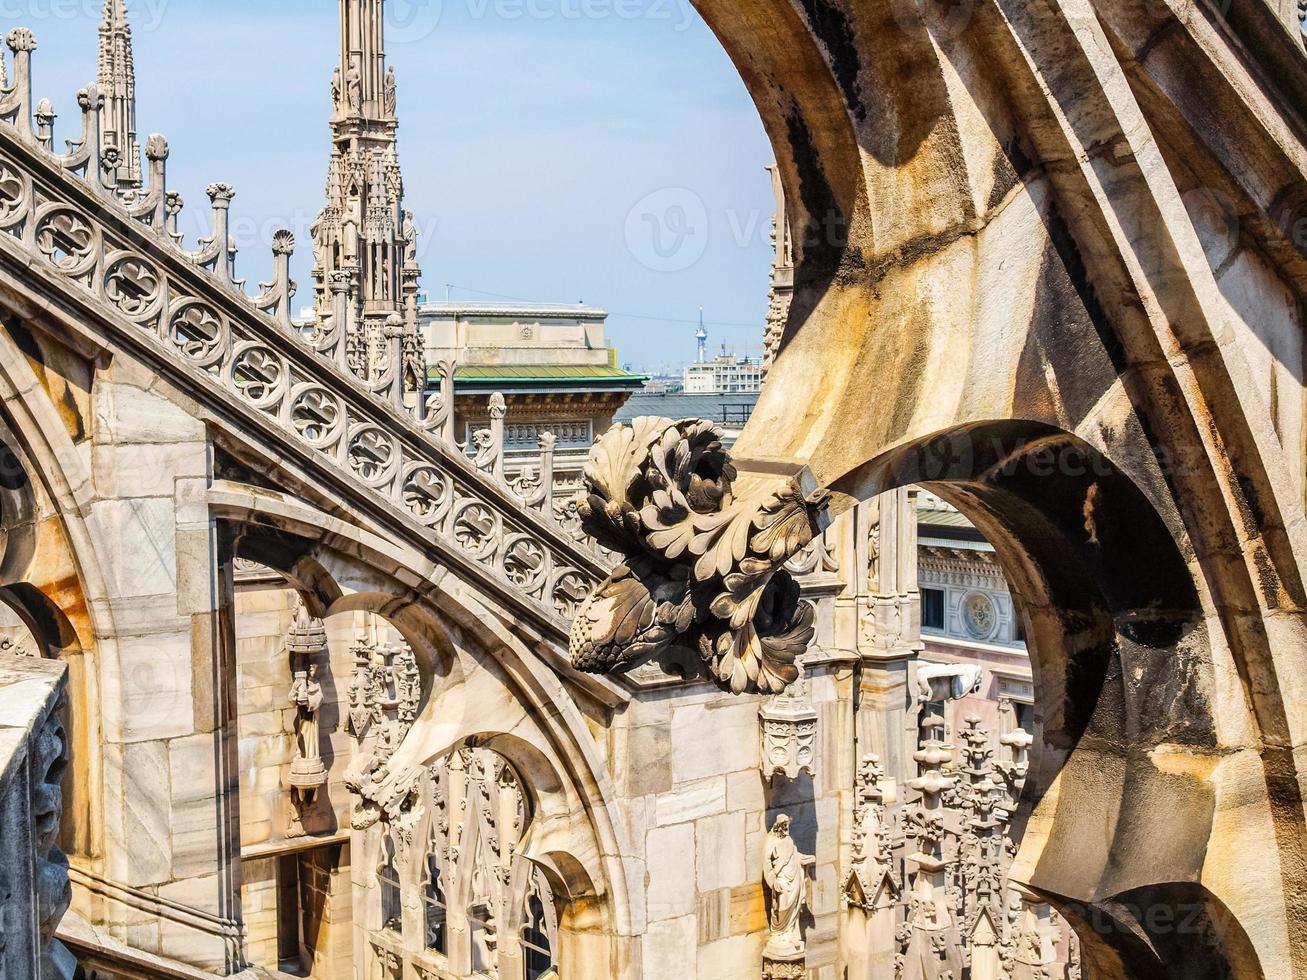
(781,968)
(789,736)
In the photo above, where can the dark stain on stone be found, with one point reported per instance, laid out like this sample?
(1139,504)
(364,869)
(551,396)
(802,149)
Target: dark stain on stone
(824,234)
(1069,252)
(1250,508)
(26,341)
(1064,345)
(831,25)
(1121,588)
(1268,582)
(1009,166)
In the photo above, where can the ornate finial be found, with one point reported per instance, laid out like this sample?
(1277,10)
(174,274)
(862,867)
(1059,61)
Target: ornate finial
(90,98)
(45,117)
(283,242)
(21,39)
(498,407)
(117,78)
(156,148)
(704,557)
(220,193)
(548,442)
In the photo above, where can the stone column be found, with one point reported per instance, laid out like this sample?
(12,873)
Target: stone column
(890,630)
(169,878)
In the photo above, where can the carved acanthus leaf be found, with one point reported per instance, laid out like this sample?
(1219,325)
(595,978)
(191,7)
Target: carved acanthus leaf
(704,557)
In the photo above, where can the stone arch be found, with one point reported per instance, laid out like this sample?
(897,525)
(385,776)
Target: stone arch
(553,841)
(912,292)
(73,613)
(1180,928)
(1128,687)
(490,681)
(1014,249)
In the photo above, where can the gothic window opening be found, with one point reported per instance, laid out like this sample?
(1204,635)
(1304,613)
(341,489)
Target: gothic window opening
(388,880)
(487,910)
(435,908)
(538,926)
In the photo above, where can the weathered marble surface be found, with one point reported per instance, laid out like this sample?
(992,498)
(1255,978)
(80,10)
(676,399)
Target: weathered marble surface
(33,870)
(1044,256)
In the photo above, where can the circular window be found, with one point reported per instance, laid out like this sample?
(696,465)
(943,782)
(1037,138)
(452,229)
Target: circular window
(980,616)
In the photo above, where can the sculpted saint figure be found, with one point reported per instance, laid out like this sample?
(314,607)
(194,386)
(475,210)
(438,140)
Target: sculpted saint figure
(354,88)
(388,92)
(783,869)
(306,694)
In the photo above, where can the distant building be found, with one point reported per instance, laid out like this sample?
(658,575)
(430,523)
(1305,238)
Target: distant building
(724,375)
(664,384)
(968,618)
(728,411)
(552,364)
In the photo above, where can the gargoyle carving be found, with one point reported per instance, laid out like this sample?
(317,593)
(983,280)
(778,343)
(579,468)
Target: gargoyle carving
(704,555)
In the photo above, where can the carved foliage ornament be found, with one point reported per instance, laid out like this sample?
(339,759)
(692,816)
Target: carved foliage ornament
(704,557)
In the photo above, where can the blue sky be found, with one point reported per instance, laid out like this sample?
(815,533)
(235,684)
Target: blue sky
(602,151)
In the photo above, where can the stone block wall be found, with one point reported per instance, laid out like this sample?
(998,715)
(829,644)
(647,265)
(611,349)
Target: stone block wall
(161,878)
(698,809)
(325,897)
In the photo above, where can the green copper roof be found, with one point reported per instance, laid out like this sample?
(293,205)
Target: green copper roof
(547,374)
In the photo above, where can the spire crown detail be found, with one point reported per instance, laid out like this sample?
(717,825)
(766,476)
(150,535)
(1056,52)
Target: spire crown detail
(363,234)
(118,83)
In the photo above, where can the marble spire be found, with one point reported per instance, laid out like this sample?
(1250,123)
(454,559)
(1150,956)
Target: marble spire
(117,81)
(364,235)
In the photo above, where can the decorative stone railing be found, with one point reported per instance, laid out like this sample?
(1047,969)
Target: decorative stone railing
(188,310)
(33,871)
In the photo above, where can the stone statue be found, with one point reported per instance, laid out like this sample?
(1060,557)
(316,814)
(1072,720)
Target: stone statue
(409,234)
(335,87)
(487,451)
(783,869)
(319,246)
(388,93)
(354,88)
(306,693)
